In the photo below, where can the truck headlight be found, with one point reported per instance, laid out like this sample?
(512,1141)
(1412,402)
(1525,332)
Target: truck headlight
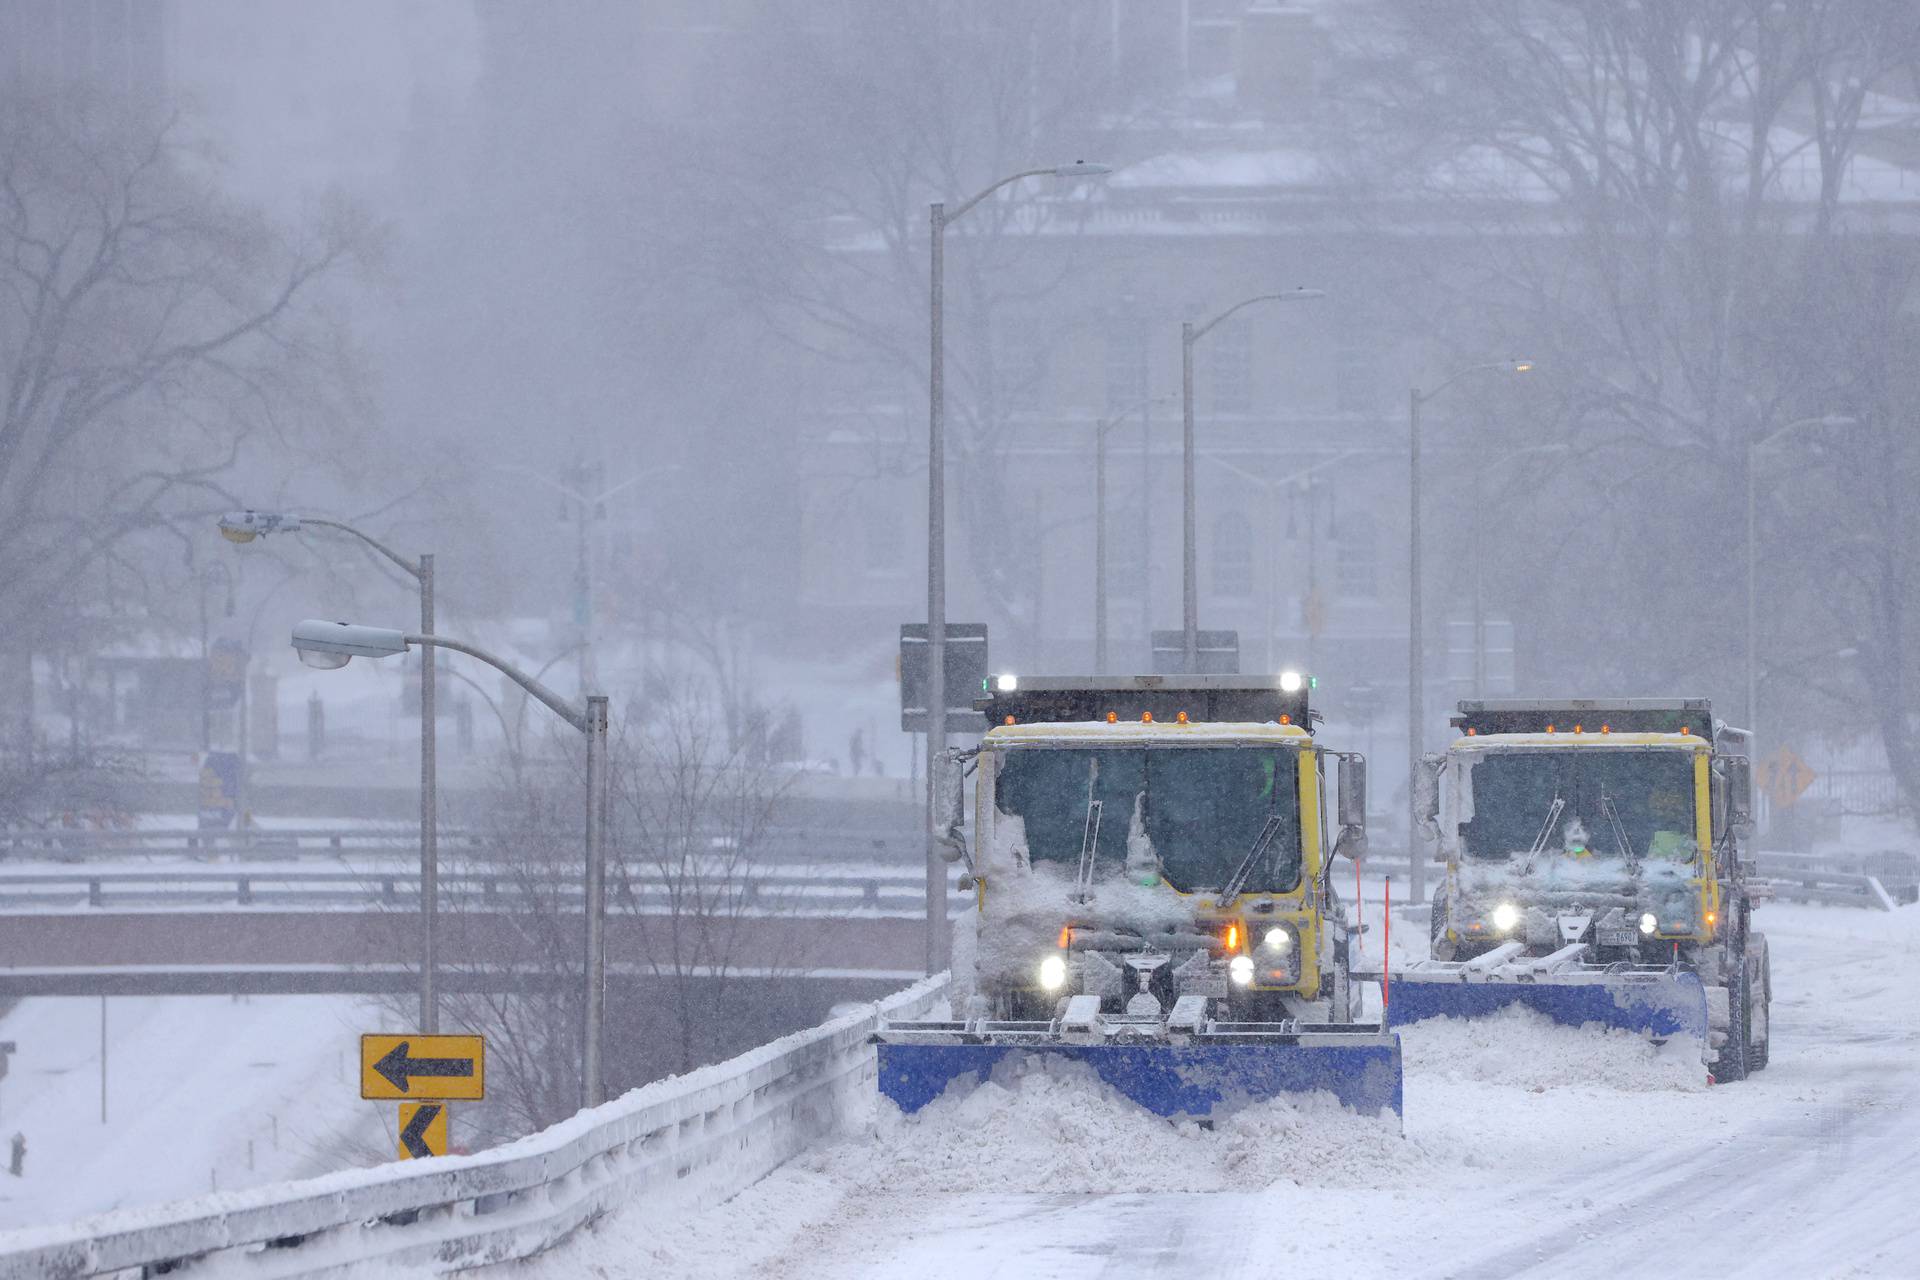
(1053,973)
(1647,923)
(1279,940)
(1240,969)
(1505,916)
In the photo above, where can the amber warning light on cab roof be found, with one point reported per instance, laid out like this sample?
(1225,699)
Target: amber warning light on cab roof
(1609,715)
(1282,698)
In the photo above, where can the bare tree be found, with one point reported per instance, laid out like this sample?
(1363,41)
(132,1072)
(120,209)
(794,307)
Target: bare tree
(1660,199)
(151,333)
(691,920)
(697,810)
(828,213)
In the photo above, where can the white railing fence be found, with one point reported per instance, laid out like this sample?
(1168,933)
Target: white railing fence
(664,1148)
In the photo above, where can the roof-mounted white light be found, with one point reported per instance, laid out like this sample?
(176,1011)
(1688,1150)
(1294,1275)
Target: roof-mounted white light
(1290,681)
(1006,682)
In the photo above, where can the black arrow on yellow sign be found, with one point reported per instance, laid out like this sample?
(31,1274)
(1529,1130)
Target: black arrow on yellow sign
(399,1069)
(413,1138)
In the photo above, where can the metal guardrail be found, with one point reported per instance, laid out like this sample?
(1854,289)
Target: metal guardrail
(270,887)
(260,844)
(663,1148)
(1879,880)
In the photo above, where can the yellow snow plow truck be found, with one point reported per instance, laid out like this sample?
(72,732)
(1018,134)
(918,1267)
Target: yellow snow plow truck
(1594,874)
(1153,898)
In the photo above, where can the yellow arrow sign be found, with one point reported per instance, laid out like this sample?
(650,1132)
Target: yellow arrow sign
(423,1129)
(440,1067)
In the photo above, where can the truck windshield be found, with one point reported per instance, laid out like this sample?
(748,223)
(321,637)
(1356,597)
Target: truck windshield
(1202,809)
(1649,792)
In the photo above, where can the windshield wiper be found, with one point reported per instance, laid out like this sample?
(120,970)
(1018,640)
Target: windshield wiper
(1089,846)
(1612,812)
(1238,880)
(1546,831)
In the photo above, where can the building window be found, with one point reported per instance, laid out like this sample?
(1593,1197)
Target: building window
(1230,367)
(1357,558)
(1126,365)
(1232,555)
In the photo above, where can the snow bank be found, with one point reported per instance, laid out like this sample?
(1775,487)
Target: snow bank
(1523,1047)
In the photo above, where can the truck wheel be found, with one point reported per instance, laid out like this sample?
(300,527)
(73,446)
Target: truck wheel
(1759,1002)
(1731,1064)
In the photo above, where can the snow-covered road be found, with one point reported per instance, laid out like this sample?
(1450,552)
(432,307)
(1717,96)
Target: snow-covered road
(1529,1150)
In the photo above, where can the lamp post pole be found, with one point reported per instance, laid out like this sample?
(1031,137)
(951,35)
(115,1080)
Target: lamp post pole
(1100,430)
(1190,334)
(934,945)
(1416,675)
(938,220)
(429,815)
(333,644)
(244,527)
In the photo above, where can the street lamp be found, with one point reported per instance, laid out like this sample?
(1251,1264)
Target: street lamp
(243,527)
(331,645)
(1189,586)
(1100,430)
(939,219)
(1753,555)
(1416,685)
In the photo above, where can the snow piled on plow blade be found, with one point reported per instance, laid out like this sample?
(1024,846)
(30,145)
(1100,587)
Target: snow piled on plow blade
(1184,1081)
(1666,1007)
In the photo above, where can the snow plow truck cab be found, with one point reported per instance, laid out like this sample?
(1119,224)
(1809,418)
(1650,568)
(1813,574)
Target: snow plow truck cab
(1594,874)
(1153,898)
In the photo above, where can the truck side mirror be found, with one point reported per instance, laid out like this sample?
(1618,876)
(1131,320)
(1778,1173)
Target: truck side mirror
(1352,841)
(1353,791)
(1426,794)
(1739,775)
(950,804)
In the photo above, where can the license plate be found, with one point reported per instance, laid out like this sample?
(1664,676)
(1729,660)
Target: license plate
(1616,937)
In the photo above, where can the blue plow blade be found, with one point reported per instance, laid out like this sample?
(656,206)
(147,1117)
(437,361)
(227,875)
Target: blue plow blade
(1664,1008)
(1178,1081)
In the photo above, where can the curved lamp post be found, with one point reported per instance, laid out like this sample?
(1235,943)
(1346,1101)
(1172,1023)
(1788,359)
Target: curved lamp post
(331,645)
(1191,333)
(1416,676)
(243,527)
(940,218)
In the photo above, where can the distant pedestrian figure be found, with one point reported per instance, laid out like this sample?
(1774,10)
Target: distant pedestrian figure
(17,1156)
(857,752)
